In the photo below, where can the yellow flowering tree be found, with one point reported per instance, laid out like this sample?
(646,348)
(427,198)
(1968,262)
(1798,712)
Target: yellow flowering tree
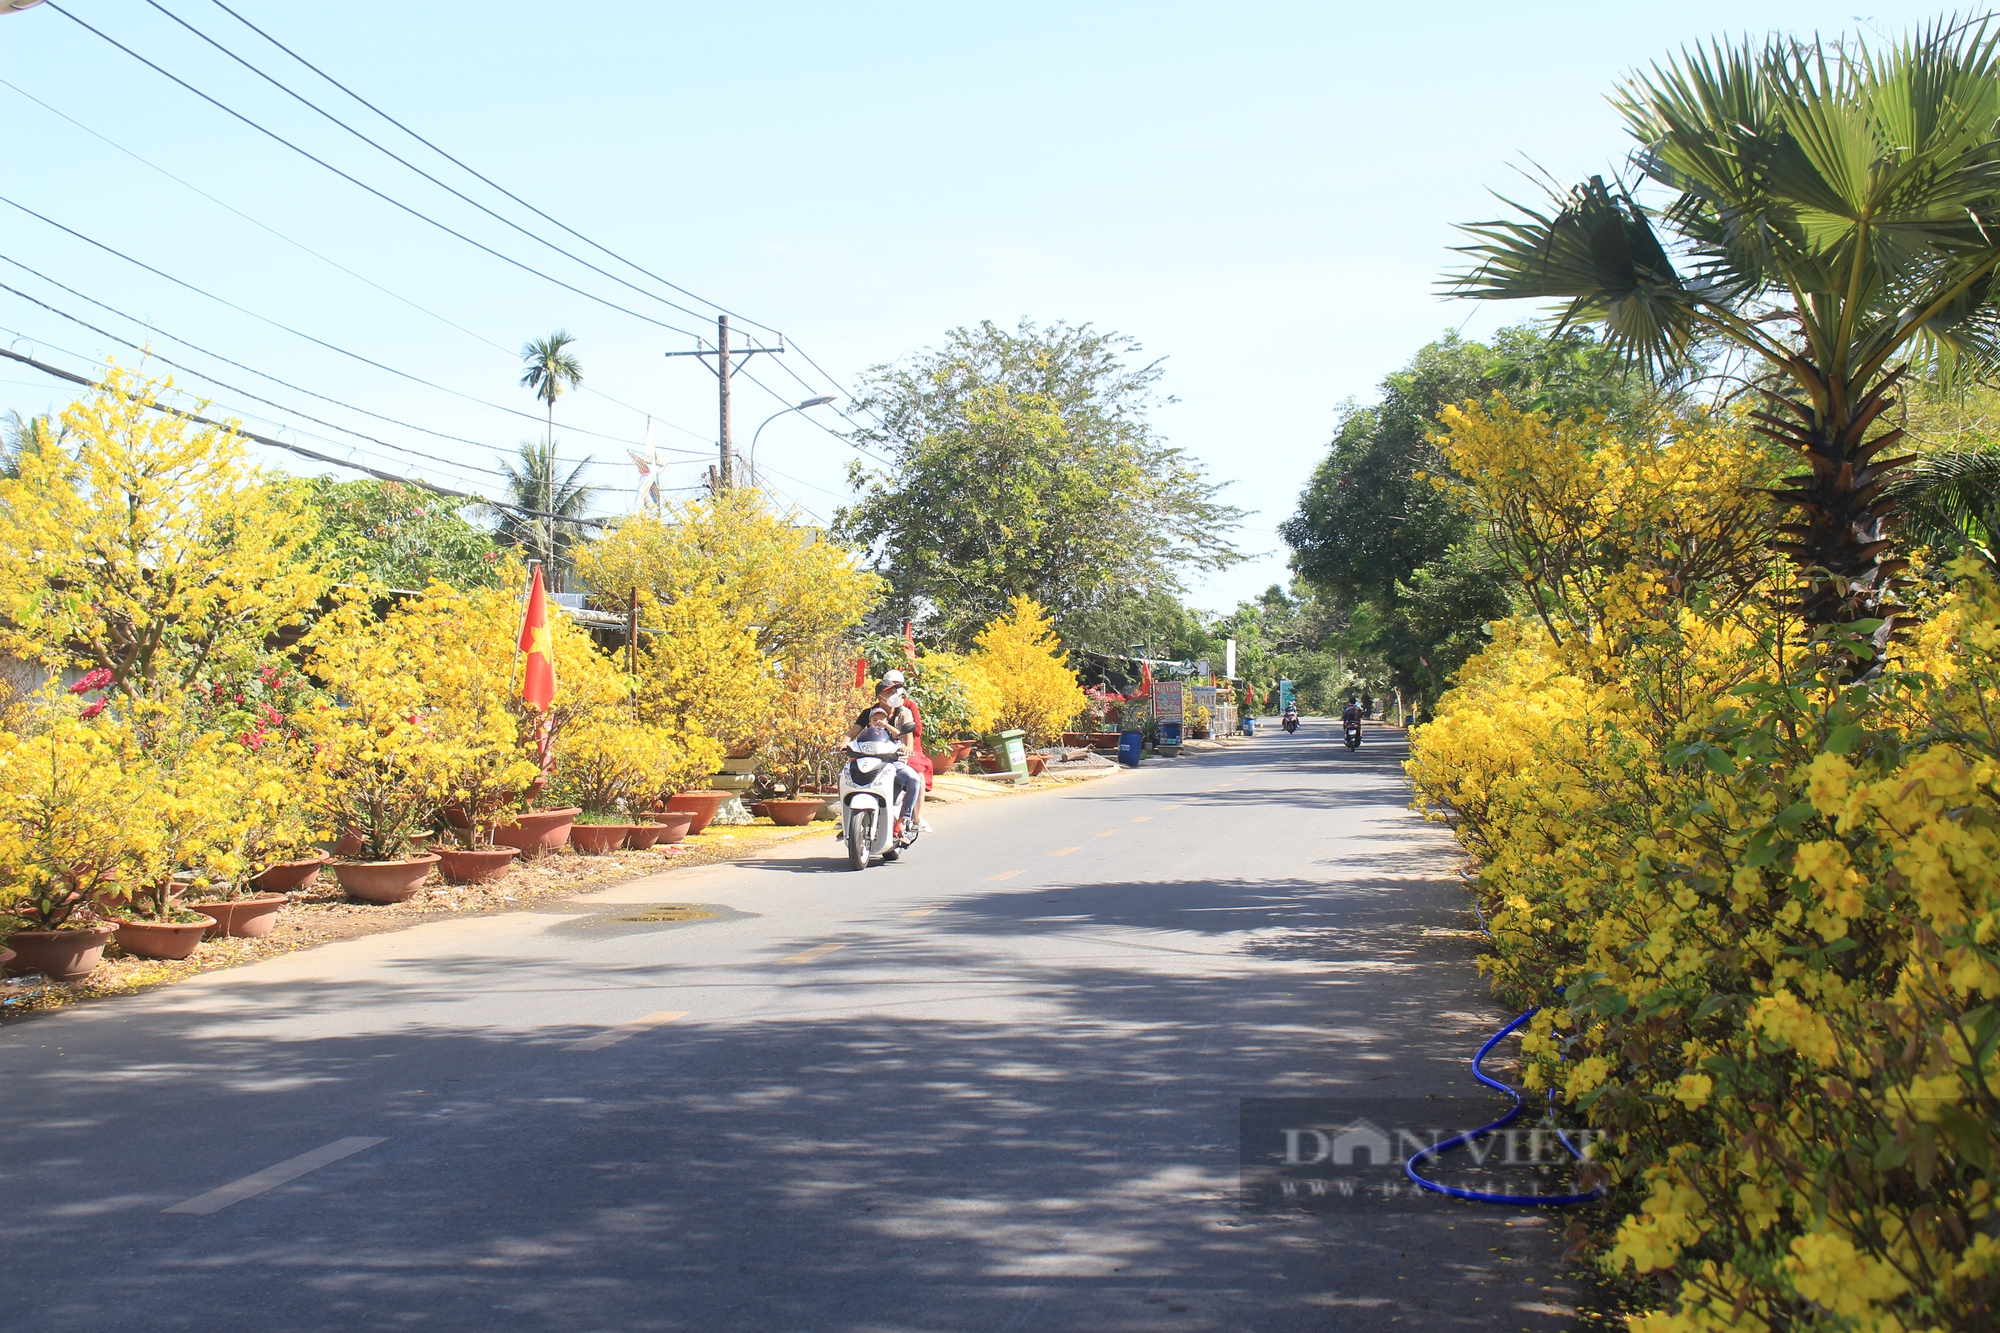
(153,552)
(1032,687)
(67,832)
(815,704)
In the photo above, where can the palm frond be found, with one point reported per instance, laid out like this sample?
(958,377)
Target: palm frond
(1950,501)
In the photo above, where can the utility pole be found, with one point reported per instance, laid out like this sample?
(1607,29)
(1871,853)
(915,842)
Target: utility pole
(725,474)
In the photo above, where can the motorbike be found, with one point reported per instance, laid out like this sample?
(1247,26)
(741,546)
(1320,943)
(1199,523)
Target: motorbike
(1353,730)
(1291,721)
(869,824)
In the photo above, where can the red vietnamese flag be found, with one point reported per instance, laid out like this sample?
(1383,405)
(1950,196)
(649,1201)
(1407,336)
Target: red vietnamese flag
(538,681)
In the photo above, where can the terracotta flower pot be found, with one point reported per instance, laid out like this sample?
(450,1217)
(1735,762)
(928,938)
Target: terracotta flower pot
(701,804)
(480,865)
(59,955)
(644,836)
(597,839)
(1075,740)
(350,844)
(385,881)
(1198,733)
(989,763)
(246,918)
(539,833)
(760,809)
(286,876)
(673,826)
(1103,740)
(796,813)
(1036,763)
(161,939)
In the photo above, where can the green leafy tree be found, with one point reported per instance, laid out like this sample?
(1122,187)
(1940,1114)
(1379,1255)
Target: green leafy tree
(1826,207)
(43,433)
(399,536)
(1023,464)
(536,481)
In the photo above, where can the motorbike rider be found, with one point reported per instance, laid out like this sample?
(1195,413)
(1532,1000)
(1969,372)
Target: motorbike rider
(889,713)
(1350,716)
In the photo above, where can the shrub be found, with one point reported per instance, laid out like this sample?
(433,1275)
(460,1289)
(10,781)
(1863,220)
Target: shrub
(1033,688)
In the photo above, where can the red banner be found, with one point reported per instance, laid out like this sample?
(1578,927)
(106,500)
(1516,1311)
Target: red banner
(538,681)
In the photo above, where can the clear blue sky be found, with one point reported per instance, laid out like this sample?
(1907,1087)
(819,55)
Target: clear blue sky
(1263,194)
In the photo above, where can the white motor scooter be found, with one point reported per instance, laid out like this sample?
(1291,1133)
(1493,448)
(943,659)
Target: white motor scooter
(868,819)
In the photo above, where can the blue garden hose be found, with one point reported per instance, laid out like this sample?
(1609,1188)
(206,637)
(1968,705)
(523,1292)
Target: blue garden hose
(1460,1140)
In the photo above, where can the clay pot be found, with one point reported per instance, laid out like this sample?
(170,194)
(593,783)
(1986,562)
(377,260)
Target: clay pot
(246,918)
(161,939)
(350,844)
(673,826)
(59,955)
(597,839)
(479,865)
(1103,740)
(385,881)
(1075,740)
(701,804)
(794,814)
(644,836)
(286,876)
(537,833)
(1036,763)
(1198,733)
(989,763)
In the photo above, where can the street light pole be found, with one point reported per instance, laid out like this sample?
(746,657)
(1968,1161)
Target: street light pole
(798,407)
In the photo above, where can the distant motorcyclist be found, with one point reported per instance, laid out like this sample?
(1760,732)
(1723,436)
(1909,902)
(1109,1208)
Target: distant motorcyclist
(1351,715)
(1290,720)
(888,713)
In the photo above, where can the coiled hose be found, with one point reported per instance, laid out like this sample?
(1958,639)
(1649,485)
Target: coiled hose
(1473,1136)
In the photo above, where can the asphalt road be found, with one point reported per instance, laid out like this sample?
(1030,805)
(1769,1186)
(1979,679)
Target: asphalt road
(996,1086)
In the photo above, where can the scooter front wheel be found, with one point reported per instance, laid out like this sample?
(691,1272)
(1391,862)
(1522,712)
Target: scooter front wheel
(860,834)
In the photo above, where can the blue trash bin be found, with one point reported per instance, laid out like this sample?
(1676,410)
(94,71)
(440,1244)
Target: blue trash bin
(1170,733)
(1128,747)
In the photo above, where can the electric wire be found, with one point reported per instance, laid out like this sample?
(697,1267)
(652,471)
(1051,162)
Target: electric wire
(602,249)
(302,100)
(423,483)
(255,398)
(634,265)
(296,244)
(360,184)
(296,333)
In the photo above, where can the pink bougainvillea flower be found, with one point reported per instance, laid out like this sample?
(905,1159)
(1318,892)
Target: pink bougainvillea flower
(94,709)
(95,679)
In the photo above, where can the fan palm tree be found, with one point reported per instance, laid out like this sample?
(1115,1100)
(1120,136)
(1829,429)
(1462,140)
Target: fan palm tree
(1832,209)
(533,484)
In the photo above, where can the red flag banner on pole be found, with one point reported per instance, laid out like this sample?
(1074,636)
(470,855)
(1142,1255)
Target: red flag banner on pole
(910,642)
(538,680)
(1145,679)
(860,673)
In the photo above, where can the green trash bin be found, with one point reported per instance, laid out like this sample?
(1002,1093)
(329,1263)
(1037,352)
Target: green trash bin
(1012,749)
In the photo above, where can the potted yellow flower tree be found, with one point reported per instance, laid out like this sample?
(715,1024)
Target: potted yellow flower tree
(379,768)
(816,703)
(67,838)
(612,768)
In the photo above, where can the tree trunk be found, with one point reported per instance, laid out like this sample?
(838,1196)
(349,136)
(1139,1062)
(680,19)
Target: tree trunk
(1839,538)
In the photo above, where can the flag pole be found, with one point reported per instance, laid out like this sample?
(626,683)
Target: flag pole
(525,589)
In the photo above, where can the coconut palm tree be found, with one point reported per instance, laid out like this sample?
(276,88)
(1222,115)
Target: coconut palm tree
(20,435)
(548,368)
(1831,208)
(533,484)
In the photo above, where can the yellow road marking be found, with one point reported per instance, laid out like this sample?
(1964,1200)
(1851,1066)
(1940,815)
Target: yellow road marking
(812,955)
(1140,819)
(1107,833)
(1064,851)
(612,1036)
(1005,874)
(1174,806)
(921,911)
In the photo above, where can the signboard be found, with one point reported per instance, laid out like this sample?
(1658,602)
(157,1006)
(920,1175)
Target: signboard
(1204,668)
(1204,697)
(1285,697)
(1169,701)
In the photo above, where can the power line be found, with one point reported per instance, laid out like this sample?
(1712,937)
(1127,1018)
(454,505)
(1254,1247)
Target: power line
(602,249)
(423,483)
(360,184)
(318,342)
(221,384)
(324,259)
(505,221)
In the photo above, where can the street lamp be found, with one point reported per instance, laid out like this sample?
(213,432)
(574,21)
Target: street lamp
(821,401)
